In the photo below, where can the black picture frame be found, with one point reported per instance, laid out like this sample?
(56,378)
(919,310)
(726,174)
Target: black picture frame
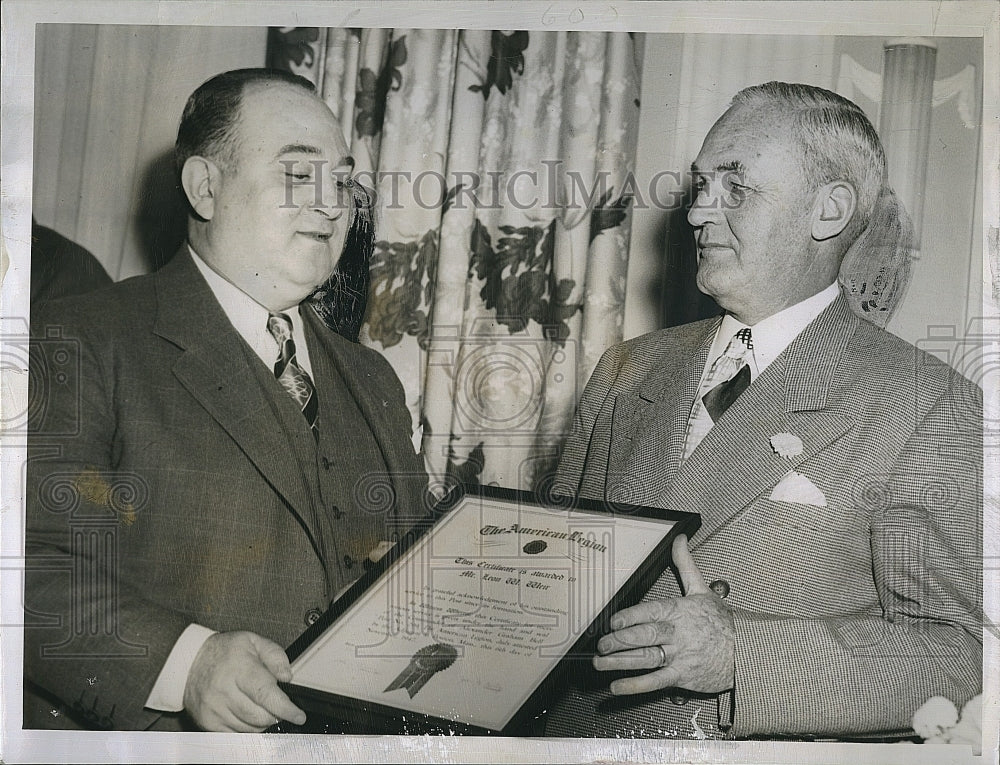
(335,713)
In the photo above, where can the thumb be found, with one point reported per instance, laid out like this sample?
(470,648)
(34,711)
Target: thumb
(274,658)
(691,578)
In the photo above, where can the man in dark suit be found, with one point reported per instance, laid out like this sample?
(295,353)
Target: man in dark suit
(209,463)
(60,267)
(837,469)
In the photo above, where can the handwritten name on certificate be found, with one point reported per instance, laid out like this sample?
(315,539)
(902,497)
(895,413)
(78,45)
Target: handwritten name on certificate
(468,622)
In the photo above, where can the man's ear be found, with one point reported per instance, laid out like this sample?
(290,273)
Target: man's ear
(200,178)
(836,204)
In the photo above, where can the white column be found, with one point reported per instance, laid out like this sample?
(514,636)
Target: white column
(905,120)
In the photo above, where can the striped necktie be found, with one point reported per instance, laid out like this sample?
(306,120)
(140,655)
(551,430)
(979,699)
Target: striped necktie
(292,377)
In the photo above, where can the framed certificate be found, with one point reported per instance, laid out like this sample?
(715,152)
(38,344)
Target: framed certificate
(468,622)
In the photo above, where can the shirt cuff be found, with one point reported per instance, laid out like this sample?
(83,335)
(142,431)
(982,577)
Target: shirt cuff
(168,691)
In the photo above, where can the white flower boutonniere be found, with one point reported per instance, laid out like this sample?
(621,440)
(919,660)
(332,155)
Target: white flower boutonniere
(938,722)
(786,445)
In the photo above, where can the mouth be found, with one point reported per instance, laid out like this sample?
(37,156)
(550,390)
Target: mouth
(317,236)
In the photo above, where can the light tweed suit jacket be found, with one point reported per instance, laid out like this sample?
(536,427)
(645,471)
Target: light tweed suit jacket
(853,604)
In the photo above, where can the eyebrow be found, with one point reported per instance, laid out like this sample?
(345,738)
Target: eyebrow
(305,148)
(298,148)
(732,166)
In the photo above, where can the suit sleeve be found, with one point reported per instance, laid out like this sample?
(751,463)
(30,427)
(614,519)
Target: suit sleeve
(869,673)
(92,640)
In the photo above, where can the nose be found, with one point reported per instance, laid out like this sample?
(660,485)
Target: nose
(703,207)
(334,199)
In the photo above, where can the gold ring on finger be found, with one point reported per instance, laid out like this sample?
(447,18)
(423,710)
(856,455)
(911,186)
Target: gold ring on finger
(663,657)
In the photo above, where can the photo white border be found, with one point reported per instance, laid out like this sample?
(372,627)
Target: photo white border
(970,18)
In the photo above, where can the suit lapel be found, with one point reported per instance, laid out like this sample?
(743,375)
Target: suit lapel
(648,426)
(627,424)
(214,368)
(735,462)
(346,358)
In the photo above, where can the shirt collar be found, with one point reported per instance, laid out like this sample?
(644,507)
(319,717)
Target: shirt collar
(772,335)
(775,333)
(247,316)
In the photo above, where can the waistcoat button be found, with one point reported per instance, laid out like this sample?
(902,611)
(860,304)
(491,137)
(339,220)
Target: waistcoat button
(312,616)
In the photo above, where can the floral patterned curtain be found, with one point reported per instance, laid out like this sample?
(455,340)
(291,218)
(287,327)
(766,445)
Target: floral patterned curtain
(501,163)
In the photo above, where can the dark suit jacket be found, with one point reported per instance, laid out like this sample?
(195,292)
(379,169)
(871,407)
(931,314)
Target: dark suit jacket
(161,489)
(60,267)
(850,611)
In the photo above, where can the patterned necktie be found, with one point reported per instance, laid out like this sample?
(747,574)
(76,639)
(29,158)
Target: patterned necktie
(292,377)
(732,372)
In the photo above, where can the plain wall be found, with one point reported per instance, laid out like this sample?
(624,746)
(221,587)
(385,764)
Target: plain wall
(108,100)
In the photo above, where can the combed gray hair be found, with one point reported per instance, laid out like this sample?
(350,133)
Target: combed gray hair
(838,141)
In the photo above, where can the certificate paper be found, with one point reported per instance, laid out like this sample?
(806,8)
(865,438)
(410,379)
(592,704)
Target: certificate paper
(471,619)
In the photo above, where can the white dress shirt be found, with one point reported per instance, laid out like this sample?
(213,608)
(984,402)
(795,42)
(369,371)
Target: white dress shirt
(769,338)
(249,318)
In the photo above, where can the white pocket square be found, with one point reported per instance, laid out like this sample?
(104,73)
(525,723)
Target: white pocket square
(795,487)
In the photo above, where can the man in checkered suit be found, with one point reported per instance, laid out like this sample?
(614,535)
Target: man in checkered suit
(837,469)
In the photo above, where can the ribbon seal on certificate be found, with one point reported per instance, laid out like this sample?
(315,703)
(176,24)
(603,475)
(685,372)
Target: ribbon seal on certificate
(423,666)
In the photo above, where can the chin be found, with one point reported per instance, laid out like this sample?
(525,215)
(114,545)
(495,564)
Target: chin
(716,291)
(708,285)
